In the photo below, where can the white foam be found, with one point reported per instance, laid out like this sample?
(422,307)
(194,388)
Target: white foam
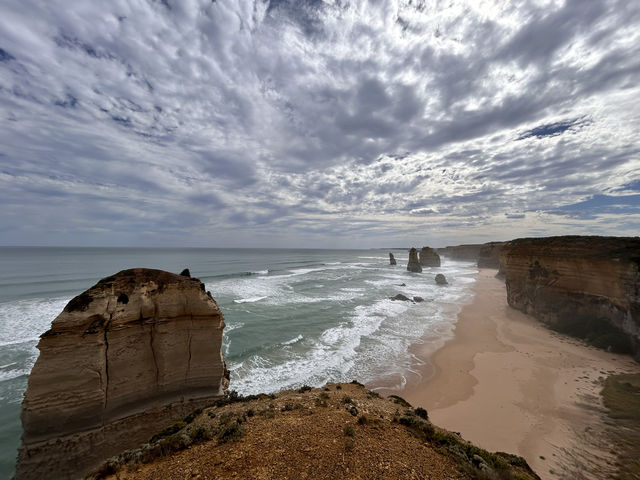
(250,299)
(293,340)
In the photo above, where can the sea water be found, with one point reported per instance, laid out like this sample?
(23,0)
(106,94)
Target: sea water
(293,317)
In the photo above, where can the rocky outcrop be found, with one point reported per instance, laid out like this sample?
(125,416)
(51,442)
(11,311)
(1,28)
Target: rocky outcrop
(461,252)
(429,257)
(400,297)
(580,284)
(414,264)
(489,255)
(137,351)
(441,279)
(392,260)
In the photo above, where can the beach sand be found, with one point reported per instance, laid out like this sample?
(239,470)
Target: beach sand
(507,383)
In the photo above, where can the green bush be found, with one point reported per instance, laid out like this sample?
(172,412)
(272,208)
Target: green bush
(348,431)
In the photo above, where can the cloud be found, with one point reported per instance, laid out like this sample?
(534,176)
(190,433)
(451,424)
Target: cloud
(291,123)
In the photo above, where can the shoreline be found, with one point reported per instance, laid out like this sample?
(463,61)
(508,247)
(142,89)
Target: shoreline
(508,383)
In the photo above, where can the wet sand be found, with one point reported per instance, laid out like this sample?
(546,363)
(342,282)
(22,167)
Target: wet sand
(507,383)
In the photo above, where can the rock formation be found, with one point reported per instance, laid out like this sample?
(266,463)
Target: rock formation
(489,255)
(414,264)
(400,297)
(461,252)
(134,353)
(392,260)
(441,279)
(429,257)
(578,283)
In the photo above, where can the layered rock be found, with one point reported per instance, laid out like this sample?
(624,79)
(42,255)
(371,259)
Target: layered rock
(569,281)
(489,255)
(461,252)
(414,264)
(429,257)
(135,352)
(392,260)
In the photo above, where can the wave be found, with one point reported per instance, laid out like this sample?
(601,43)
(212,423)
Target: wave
(293,340)
(250,299)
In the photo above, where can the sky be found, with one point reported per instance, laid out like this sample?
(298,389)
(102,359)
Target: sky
(337,124)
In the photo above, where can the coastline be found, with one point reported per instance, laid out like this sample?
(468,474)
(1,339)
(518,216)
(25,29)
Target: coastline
(507,383)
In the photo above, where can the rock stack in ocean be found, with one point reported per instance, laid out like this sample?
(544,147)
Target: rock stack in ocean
(429,257)
(578,284)
(137,351)
(489,255)
(441,279)
(414,264)
(392,260)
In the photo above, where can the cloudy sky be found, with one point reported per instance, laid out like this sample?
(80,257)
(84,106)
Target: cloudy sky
(317,123)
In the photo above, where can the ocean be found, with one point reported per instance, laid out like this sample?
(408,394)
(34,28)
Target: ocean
(293,316)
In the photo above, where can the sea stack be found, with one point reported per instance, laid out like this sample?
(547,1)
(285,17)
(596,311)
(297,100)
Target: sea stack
(392,260)
(429,257)
(577,284)
(414,263)
(136,352)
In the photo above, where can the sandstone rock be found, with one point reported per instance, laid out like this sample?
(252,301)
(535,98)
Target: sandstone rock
(441,279)
(401,297)
(564,280)
(392,260)
(489,255)
(429,257)
(137,351)
(461,252)
(185,273)
(414,264)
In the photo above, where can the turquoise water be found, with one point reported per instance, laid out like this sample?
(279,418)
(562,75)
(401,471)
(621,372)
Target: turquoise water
(293,317)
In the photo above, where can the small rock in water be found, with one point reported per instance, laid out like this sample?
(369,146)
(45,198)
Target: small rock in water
(402,297)
(418,299)
(392,260)
(441,279)
(402,285)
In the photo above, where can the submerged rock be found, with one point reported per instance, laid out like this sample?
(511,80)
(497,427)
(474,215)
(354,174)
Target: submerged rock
(401,297)
(441,279)
(429,257)
(392,260)
(414,264)
(134,353)
(418,299)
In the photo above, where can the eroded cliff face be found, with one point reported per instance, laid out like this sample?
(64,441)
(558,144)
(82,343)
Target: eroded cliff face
(461,252)
(563,280)
(489,255)
(135,352)
(429,257)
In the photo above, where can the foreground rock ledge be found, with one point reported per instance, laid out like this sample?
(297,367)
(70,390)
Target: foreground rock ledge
(340,431)
(136,351)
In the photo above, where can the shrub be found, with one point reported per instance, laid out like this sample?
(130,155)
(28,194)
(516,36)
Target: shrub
(170,430)
(233,431)
(422,413)
(304,388)
(348,431)
(400,401)
(362,420)
(347,399)
(324,395)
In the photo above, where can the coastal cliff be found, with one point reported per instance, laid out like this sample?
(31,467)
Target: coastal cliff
(489,254)
(586,286)
(461,252)
(138,350)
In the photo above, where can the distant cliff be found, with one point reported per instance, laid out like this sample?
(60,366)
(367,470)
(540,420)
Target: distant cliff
(585,286)
(138,350)
(487,255)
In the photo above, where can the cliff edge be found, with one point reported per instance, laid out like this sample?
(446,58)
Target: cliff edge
(586,286)
(138,350)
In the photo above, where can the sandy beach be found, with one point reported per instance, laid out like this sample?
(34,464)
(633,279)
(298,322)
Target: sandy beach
(507,383)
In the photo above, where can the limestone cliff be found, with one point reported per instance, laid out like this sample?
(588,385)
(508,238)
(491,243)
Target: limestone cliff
(429,257)
(413,265)
(136,351)
(461,252)
(489,255)
(578,283)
